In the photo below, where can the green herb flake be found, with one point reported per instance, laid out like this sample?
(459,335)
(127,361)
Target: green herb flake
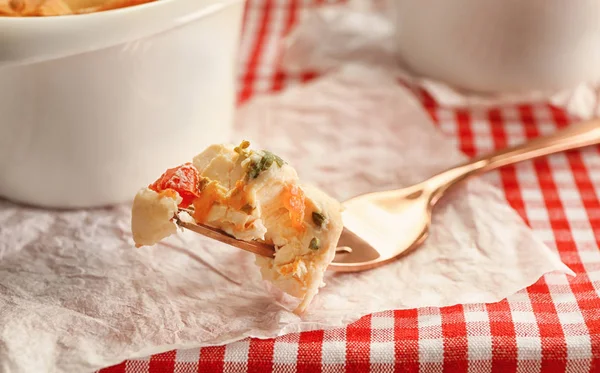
(318,219)
(253,171)
(315,244)
(267,161)
(255,168)
(280,162)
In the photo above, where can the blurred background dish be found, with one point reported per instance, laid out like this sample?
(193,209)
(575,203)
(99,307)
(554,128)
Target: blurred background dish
(501,46)
(46,8)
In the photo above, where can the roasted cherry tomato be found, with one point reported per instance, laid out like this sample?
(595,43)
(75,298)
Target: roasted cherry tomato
(182,179)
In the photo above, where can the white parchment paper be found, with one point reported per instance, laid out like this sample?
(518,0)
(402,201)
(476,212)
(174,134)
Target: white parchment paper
(75,295)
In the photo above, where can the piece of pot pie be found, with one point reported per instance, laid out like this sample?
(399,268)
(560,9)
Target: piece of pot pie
(251,195)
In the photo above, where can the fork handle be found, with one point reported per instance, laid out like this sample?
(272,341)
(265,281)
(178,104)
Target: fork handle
(572,137)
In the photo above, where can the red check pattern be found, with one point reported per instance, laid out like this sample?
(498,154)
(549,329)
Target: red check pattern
(552,326)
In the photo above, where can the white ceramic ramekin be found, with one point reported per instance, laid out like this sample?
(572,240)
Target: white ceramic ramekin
(93,107)
(501,45)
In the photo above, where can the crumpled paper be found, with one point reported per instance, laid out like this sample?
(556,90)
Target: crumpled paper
(363,31)
(75,295)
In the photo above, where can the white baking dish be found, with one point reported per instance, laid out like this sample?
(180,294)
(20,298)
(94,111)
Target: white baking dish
(93,107)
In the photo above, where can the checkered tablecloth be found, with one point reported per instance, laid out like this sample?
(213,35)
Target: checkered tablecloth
(552,326)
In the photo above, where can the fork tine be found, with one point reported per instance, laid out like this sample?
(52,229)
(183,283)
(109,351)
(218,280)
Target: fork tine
(216,234)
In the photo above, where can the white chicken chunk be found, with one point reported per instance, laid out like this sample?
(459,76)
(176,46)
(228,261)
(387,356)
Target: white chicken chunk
(151,216)
(302,258)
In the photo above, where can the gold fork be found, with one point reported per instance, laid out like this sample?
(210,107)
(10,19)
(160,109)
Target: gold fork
(255,247)
(380,227)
